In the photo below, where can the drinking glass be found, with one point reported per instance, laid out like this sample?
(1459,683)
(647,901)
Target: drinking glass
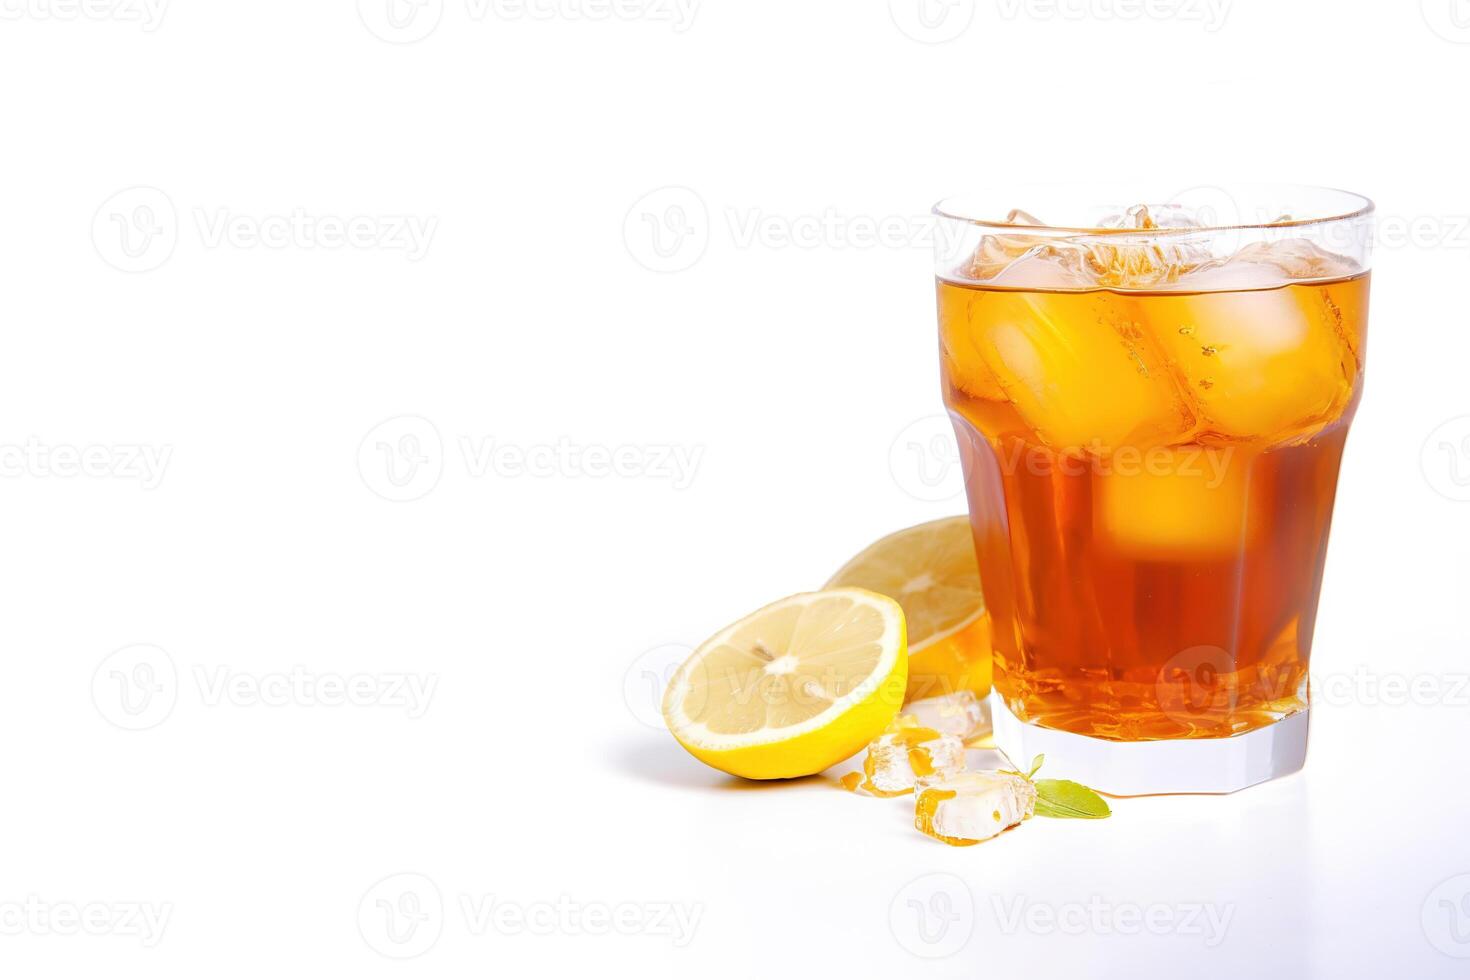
(1151,396)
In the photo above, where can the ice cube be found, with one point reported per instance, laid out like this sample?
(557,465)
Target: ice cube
(1045,264)
(964,366)
(969,807)
(996,253)
(1142,263)
(1078,369)
(1261,265)
(1146,217)
(963,714)
(905,753)
(1178,502)
(1146,260)
(1263,365)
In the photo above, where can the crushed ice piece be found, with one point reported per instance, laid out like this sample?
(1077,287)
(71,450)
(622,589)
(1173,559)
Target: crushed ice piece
(997,253)
(905,753)
(1291,260)
(963,714)
(1124,261)
(1019,217)
(1143,217)
(968,807)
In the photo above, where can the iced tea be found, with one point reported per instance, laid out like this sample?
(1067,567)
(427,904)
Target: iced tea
(1151,440)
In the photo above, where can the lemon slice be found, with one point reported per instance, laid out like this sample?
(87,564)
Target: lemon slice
(931,570)
(792,688)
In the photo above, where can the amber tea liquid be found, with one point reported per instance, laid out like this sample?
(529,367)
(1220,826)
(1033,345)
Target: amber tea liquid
(1151,478)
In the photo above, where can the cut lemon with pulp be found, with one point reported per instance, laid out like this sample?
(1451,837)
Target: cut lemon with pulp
(792,688)
(931,570)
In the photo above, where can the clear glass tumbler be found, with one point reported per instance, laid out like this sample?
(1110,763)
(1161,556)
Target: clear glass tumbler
(1151,399)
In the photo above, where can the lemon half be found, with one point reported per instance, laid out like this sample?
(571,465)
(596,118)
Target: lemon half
(793,688)
(931,570)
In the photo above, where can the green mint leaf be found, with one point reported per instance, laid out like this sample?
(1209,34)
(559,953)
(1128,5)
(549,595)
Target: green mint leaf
(1065,799)
(1035,765)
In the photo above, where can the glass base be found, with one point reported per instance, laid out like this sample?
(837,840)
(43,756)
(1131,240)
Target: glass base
(1178,765)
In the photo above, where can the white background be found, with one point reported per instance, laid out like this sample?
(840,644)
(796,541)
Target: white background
(269,553)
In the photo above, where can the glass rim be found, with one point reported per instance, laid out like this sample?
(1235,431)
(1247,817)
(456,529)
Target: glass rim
(1361,206)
